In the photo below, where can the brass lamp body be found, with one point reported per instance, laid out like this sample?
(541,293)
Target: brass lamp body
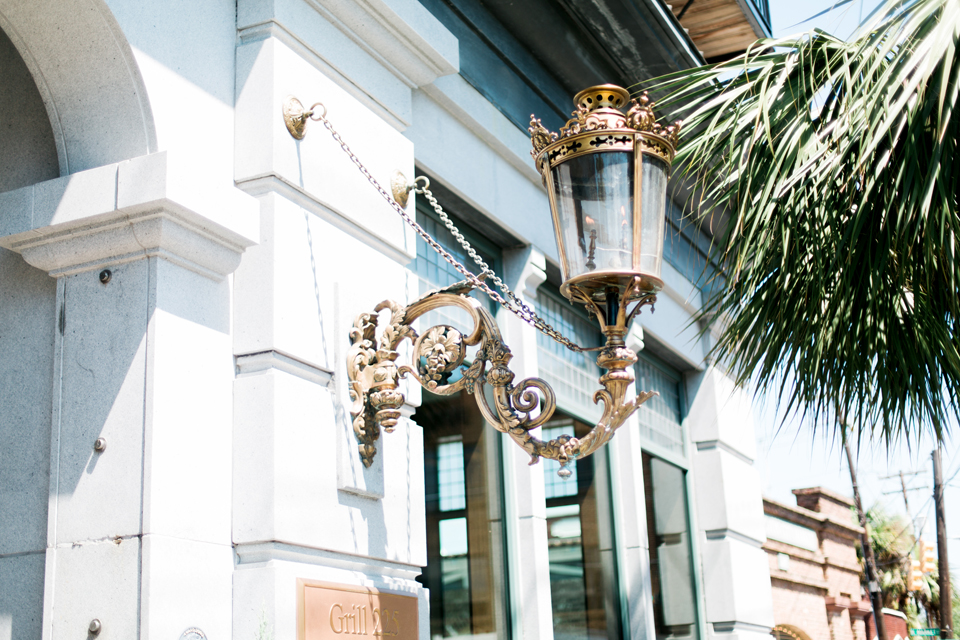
(595,170)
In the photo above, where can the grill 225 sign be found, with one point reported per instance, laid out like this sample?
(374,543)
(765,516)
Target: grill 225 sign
(327,611)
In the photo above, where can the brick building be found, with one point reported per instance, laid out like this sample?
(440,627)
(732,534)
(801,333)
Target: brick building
(814,571)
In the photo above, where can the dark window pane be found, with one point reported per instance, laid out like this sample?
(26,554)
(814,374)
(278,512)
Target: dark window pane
(465,569)
(668,532)
(660,416)
(583,579)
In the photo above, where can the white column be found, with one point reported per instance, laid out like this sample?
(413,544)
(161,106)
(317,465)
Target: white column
(524,271)
(138,532)
(729,508)
(304,505)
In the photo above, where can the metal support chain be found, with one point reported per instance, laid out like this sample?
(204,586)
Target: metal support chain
(515,304)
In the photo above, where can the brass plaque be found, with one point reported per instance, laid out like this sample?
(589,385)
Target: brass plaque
(326,610)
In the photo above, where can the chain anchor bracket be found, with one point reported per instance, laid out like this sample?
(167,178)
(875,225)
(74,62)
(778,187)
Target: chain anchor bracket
(295,116)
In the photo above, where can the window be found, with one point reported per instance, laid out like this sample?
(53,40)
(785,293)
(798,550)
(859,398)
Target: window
(583,580)
(434,272)
(573,376)
(465,570)
(687,249)
(668,535)
(660,416)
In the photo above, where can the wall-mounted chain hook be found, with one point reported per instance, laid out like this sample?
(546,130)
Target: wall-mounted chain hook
(400,188)
(295,116)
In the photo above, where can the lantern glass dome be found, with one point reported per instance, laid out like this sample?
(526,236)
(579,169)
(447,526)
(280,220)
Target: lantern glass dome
(606,175)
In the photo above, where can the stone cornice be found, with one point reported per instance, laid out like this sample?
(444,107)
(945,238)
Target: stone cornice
(833,496)
(810,519)
(400,34)
(805,555)
(838,604)
(145,207)
(776,574)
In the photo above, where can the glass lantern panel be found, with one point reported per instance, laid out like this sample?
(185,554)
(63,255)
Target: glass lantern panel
(595,208)
(653,198)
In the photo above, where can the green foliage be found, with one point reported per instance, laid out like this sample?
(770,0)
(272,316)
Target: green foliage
(894,546)
(837,164)
(892,540)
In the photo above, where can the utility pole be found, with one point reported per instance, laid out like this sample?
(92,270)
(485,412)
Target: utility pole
(906,503)
(873,584)
(946,613)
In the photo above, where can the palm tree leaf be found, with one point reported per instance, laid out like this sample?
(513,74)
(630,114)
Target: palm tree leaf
(836,162)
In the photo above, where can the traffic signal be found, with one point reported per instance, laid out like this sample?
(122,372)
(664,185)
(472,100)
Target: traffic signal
(928,559)
(915,579)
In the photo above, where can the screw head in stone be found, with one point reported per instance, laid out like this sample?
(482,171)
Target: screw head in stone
(99,446)
(95,627)
(105,276)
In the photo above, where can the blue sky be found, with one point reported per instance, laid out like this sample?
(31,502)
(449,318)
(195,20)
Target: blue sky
(796,457)
(841,22)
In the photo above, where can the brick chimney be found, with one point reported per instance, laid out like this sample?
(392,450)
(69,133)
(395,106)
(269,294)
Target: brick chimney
(832,505)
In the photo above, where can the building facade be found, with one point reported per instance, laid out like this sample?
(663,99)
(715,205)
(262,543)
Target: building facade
(178,279)
(815,575)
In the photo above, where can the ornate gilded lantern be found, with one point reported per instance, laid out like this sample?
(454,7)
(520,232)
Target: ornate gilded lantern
(606,176)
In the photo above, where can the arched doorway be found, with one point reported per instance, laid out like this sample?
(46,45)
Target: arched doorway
(72,99)
(87,78)
(788,632)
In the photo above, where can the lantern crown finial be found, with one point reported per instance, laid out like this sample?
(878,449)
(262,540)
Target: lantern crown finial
(603,96)
(604,108)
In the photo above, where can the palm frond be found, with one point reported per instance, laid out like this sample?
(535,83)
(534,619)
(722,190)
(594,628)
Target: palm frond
(837,164)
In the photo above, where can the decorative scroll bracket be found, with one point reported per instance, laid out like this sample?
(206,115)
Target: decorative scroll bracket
(437,364)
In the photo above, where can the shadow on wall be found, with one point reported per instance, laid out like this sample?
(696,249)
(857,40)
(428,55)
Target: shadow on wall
(28,153)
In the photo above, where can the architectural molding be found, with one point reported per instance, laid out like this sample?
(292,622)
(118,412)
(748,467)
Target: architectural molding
(146,207)
(376,50)
(401,35)
(273,550)
(273,360)
(466,105)
(88,50)
(525,270)
(786,576)
(738,627)
(274,184)
(730,534)
(396,116)
(811,519)
(634,337)
(710,445)
(838,604)
(799,553)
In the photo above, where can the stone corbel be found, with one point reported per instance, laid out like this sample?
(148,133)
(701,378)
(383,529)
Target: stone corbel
(145,207)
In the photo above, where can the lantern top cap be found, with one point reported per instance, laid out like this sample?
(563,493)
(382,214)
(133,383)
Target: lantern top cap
(602,96)
(603,110)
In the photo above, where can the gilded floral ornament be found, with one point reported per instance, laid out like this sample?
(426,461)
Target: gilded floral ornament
(540,136)
(440,351)
(640,116)
(437,363)
(599,124)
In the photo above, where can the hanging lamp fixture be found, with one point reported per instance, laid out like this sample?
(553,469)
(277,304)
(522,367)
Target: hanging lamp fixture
(606,174)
